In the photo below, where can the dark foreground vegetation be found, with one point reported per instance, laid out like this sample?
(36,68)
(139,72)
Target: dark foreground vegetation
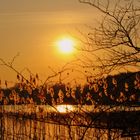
(115,114)
(112,90)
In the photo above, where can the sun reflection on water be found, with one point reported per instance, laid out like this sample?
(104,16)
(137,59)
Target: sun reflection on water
(65,108)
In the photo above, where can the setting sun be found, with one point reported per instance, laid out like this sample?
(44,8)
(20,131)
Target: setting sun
(66,45)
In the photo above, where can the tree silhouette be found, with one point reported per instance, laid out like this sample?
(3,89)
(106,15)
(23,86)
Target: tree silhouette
(115,42)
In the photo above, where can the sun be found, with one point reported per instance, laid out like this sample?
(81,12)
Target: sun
(66,45)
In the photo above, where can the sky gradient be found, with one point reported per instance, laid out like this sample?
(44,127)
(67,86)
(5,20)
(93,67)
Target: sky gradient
(30,27)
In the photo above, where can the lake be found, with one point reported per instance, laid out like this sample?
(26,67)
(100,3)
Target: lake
(61,122)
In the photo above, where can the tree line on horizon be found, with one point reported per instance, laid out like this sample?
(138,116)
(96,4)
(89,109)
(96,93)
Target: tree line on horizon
(123,88)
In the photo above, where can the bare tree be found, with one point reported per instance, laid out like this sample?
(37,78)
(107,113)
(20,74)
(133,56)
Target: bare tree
(115,43)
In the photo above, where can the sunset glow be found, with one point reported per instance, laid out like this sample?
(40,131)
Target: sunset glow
(66,45)
(43,32)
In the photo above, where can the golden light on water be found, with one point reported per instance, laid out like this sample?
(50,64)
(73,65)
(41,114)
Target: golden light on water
(65,108)
(66,45)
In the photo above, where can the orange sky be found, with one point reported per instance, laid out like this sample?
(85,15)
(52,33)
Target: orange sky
(31,26)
